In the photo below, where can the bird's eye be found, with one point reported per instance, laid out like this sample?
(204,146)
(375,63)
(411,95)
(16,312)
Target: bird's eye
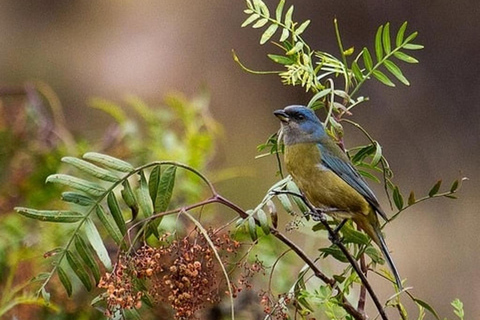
(300,116)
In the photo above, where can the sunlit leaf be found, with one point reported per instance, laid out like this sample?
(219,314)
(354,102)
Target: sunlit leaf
(96,241)
(386,38)
(79,270)
(378,154)
(435,188)
(285,202)
(279,10)
(353,236)
(250,19)
(302,27)
(86,253)
(383,78)
(367,59)
(91,169)
(65,281)
(109,161)
(288,17)
(63,216)
(378,44)
(298,46)
(400,34)
(88,187)
(395,70)
(260,23)
(404,57)
(268,33)
(412,46)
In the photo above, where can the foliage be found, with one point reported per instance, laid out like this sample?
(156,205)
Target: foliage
(139,237)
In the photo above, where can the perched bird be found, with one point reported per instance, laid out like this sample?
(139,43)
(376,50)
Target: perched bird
(326,176)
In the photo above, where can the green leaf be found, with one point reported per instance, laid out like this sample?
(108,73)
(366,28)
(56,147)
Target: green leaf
(143,196)
(362,153)
(79,270)
(86,253)
(285,34)
(412,46)
(411,198)
(154,181)
(454,186)
(404,57)
(109,224)
(165,189)
(435,188)
(400,34)
(291,186)
(88,187)
(298,46)
(280,59)
(395,70)
(397,198)
(285,202)
(91,169)
(95,240)
(378,154)
(109,161)
(335,252)
(302,27)
(386,38)
(63,216)
(250,19)
(129,198)
(357,72)
(367,59)
(262,218)
(288,17)
(383,78)
(252,228)
(65,281)
(427,307)
(458,308)
(260,23)
(77,198)
(375,255)
(368,175)
(353,236)
(278,11)
(378,43)
(263,8)
(268,33)
(116,212)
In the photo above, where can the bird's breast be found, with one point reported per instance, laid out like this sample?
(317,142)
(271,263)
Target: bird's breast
(322,186)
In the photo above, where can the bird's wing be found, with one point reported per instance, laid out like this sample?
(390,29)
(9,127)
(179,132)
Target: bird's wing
(345,170)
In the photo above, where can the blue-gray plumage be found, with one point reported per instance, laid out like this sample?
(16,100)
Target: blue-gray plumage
(326,176)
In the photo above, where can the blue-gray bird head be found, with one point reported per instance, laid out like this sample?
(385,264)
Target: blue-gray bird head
(300,125)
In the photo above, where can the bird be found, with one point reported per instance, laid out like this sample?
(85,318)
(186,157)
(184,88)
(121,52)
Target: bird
(327,178)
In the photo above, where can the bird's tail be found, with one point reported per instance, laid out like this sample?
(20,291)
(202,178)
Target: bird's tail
(383,247)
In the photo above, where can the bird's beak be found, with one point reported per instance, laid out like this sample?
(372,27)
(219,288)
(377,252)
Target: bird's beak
(282,115)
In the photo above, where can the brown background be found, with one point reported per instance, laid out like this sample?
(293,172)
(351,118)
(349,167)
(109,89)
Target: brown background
(429,131)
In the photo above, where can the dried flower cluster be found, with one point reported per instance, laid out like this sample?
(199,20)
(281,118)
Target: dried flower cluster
(275,308)
(182,273)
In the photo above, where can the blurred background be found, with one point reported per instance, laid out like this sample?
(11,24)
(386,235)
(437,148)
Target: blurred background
(429,131)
